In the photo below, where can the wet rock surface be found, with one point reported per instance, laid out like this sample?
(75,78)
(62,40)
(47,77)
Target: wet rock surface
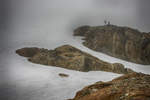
(133,86)
(72,58)
(121,42)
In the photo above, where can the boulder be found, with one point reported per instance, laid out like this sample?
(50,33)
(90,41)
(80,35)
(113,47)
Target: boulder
(63,75)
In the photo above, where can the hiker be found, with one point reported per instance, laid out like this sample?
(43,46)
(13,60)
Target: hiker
(105,22)
(108,23)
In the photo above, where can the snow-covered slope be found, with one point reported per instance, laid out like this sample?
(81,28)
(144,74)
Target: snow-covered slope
(22,80)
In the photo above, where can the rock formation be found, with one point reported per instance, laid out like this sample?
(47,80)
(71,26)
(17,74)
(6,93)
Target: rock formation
(121,42)
(133,86)
(71,58)
(28,52)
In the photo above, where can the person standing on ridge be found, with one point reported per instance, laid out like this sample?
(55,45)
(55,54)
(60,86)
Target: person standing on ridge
(105,22)
(108,23)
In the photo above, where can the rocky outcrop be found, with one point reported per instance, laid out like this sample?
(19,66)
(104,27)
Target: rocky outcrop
(121,42)
(71,58)
(28,52)
(134,86)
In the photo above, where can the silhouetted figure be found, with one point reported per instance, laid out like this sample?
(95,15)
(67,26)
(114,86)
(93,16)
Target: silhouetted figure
(108,23)
(105,22)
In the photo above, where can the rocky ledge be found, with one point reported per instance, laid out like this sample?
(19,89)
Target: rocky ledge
(133,86)
(71,58)
(121,42)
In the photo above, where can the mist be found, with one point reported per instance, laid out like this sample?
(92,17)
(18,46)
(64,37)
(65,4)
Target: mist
(19,15)
(49,24)
(22,15)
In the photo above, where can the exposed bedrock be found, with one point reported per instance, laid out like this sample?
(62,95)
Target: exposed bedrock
(70,57)
(121,42)
(133,86)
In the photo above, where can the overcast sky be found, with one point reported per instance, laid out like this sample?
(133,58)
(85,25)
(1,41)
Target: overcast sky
(35,7)
(118,11)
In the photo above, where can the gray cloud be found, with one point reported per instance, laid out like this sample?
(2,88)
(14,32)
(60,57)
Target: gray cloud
(134,13)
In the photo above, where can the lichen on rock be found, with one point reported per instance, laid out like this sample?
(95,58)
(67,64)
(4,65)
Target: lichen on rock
(121,42)
(133,86)
(72,58)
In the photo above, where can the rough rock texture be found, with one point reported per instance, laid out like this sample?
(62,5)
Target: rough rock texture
(133,86)
(72,58)
(121,42)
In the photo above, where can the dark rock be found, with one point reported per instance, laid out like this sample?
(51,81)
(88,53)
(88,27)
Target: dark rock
(121,42)
(28,52)
(63,75)
(82,31)
(134,86)
(72,58)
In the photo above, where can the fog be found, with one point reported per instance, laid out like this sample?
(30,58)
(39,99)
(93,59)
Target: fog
(24,14)
(49,24)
